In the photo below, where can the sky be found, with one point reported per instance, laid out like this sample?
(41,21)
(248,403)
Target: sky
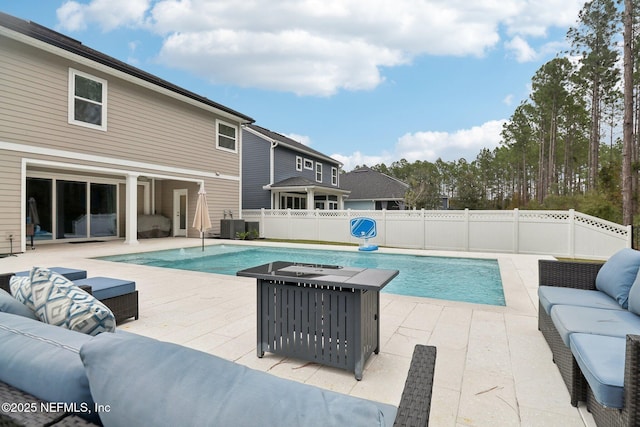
(363,81)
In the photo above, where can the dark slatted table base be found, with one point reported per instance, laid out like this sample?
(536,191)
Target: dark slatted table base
(323,324)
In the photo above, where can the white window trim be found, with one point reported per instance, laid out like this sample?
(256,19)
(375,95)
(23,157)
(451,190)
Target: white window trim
(334,175)
(298,163)
(310,163)
(318,171)
(72,97)
(218,122)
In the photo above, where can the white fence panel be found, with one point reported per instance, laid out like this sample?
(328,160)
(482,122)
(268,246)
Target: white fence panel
(544,232)
(491,231)
(445,230)
(607,240)
(559,233)
(403,230)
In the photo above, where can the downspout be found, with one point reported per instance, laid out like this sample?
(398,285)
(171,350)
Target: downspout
(272,167)
(272,161)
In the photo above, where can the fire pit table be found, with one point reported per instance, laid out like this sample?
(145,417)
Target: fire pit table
(321,313)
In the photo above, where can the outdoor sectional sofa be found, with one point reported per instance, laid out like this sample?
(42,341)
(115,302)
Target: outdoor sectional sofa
(123,379)
(589,316)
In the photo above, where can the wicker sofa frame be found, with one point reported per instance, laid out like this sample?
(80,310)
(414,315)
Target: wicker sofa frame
(413,410)
(123,306)
(581,275)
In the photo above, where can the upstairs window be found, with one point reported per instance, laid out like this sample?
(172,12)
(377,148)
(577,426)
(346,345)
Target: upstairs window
(227,137)
(87,100)
(298,163)
(319,172)
(308,164)
(334,176)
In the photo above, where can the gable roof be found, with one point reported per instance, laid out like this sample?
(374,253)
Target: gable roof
(272,136)
(58,40)
(367,184)
(298,181)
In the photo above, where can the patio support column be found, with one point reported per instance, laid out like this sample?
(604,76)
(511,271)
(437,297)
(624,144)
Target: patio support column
(311,203)
(131,233)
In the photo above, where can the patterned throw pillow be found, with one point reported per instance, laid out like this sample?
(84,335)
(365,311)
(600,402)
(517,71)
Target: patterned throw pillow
(21,290)
(59,302)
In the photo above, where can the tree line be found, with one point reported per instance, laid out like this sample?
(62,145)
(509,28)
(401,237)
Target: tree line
(572,144)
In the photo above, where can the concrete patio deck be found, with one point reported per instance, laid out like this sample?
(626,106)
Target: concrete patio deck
(493,366)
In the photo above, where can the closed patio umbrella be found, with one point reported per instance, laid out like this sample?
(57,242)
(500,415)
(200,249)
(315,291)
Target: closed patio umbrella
(202,222)
(33,211)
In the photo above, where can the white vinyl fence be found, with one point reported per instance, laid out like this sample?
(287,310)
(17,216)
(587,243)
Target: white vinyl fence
(559,233)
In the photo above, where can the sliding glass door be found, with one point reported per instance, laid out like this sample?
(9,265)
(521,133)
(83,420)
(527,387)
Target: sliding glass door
(39,208)
(71,209)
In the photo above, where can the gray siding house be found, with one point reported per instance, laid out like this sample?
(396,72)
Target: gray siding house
(89,143)
(372,190)
(280,173)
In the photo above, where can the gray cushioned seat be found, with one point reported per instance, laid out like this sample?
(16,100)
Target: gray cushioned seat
(601,361)
(70,273)
(571,319)
(107,287)
(555,295)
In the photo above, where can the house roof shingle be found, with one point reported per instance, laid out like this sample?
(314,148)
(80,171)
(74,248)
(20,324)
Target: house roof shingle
(46,35)
(298,181)
(291,143)
(367,184)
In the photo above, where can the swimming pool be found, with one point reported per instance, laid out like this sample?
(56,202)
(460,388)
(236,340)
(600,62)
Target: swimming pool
(455,279)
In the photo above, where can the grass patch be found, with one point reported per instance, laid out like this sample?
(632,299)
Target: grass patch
(311,242)
(581,260)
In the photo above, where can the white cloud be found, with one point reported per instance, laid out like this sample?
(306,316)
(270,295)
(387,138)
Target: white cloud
(108,14)
(314,47)
(358,159)
(302,139)
(431,145)
(521,49)
(508,100)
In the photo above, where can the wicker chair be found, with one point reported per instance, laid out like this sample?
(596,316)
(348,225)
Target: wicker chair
(122,306)
(582,276)
(29,411)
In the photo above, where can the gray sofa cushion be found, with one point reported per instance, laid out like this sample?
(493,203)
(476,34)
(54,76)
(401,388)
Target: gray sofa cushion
(554,295)
(175,385)
(601,361)
(634,296)
(617,275)
(69,273)
(43,360)
(9,304)
(572,319)
(107,287)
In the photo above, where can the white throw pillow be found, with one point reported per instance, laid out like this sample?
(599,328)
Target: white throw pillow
(21,290)
(59,302)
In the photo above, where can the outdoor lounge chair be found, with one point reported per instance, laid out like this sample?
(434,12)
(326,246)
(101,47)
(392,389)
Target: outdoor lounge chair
(582,275)
(119,295)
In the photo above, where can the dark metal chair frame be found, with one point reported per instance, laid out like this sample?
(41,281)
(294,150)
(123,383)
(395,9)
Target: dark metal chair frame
(582,275)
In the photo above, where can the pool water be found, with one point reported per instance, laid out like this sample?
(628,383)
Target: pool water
(455,279)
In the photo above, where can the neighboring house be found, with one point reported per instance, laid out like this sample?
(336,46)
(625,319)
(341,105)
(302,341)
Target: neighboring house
(280,173)
(372,190)
(88,142)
